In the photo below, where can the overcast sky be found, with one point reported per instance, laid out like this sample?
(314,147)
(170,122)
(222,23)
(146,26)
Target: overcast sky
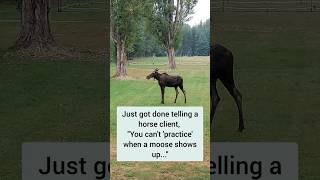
(201,12)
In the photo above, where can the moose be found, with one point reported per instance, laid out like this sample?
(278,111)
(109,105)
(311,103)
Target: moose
(221,67)
(166,80)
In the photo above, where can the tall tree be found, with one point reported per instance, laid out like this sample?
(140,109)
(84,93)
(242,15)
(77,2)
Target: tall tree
(166,22)
(146,45)
(125,18)
(35,35)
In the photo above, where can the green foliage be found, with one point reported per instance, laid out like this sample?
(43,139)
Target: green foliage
(125,18)
(147,45)
(195,40)
(167,19)
(149,28)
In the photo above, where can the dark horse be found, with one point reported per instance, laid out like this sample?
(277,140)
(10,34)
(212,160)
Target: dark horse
(221,67)
(166,80)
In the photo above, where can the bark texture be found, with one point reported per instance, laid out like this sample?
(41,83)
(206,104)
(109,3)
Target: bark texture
(35,35)
(121,60)
(171,56)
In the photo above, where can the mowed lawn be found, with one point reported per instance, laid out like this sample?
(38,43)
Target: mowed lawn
(277,69)
(137,91)
(49,99)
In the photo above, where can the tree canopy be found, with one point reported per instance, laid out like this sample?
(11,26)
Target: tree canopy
(166,21)
(125,18)
(155,27)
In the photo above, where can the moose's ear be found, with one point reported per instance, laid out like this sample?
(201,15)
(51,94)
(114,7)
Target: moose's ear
(156,70)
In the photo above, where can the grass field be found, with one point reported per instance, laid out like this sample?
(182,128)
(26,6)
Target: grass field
(50,99)
(277,67)
(137,91)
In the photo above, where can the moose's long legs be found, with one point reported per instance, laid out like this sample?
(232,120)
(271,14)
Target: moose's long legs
(221,67)
(162,95)
(214,99)
(184,93)
(177,92)
(235,93)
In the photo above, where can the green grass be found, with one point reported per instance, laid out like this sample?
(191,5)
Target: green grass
(48,99)
(137,91)
(58,102)
(277,70)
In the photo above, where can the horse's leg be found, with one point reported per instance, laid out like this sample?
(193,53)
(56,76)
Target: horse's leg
(162,94)
(184,93)
(177,92)
(235,93)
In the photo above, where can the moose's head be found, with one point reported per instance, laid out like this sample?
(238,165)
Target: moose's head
(153,74)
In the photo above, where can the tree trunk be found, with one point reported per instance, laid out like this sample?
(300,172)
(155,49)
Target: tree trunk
(172,62)
(35,34)
(121,60)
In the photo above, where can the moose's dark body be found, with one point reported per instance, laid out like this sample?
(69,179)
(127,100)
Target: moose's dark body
(165,80)
(221,67)
(173,81)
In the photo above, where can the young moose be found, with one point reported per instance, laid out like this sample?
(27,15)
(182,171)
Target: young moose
(221,67)
(166,80)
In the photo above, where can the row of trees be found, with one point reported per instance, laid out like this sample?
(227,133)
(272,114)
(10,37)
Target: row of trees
(193,41)
(162,20)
